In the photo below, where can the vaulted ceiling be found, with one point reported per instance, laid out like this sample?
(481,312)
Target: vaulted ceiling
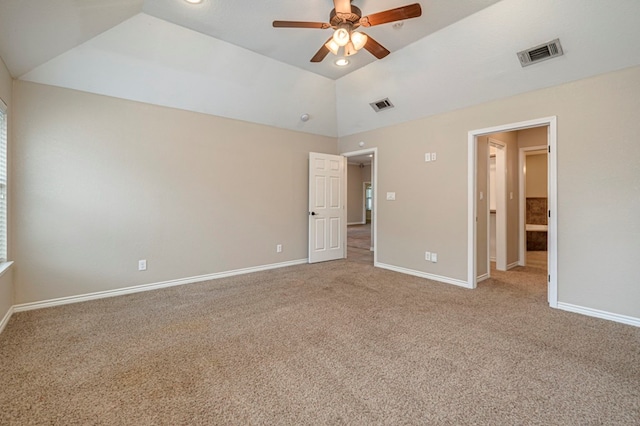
(223,57)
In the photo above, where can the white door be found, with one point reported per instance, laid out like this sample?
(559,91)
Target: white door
(327,211)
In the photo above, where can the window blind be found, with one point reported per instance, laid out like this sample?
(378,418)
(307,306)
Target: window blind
(3,182)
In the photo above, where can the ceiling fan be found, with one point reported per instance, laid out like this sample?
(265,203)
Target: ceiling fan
(345,19)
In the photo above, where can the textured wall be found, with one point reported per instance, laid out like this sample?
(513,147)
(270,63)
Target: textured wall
(596,187)
(102,182)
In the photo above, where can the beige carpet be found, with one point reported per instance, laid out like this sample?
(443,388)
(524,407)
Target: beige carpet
(333,343)
(359,236)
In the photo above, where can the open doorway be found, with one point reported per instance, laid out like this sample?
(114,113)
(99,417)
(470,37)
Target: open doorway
(361,205)
(534,225)
(478,246)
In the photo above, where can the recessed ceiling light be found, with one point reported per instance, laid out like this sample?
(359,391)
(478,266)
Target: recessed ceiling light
(342,62)
(193,1)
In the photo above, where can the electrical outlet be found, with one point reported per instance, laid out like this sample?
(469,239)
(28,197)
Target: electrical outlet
(433,156)
(434,257)
(427,255)
(279,248)
(142,265)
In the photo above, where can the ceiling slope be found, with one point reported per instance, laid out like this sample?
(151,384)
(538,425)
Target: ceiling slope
(150,60)
(34,31)
(248,24)
(474,60)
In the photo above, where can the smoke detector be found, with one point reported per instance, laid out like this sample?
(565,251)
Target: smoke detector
(540,53)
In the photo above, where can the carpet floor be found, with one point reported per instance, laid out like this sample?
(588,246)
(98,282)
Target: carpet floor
(333,343)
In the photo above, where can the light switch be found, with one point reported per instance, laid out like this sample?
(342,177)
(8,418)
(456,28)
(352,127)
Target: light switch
(427,157)
(391,196)
(481,195)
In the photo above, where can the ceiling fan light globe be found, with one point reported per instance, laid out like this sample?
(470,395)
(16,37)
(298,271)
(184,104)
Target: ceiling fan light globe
(358,39)
(341,37)
(350,50)
(332,46)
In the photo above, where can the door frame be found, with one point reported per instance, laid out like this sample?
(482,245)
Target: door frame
(472,208)
(501,206)
(374,181)
(364,201)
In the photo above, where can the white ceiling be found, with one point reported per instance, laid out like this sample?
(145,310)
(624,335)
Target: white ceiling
(121,48)
(35,31)
(249,25)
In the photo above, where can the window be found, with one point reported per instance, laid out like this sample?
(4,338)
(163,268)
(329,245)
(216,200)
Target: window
(3,182)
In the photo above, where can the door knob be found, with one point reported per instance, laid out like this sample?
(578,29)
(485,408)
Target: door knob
(313,213)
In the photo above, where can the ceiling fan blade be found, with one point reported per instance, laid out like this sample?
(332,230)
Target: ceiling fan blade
(391,15)
(301,24)
(322,53)
(342,6)
(375,48)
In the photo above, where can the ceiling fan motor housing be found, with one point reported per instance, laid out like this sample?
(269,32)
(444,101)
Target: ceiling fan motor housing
(353,18)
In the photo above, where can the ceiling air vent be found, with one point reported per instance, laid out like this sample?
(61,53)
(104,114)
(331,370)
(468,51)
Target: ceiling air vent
(381,105)
(540,53)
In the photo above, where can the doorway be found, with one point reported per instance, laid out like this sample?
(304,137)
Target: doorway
(362,205)
(549,123)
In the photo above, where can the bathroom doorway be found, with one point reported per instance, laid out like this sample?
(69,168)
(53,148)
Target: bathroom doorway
(478,247)
(534,193)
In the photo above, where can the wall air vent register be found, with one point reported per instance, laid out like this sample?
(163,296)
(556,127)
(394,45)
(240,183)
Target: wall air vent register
(540,53)
(381,105)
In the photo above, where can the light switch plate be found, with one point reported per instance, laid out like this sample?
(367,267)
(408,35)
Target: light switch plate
(427,157)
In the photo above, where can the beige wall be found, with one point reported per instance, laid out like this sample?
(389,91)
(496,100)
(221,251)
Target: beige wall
(536,136)
(355,196)
(6,281)
(356,176)
(101,182)
(597,188)
(536,177)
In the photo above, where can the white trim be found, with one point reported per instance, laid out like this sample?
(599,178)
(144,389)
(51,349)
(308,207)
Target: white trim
(624,319)
(356,223)
(501,205)
(364,199)
(551,122)
(6,318)
(4,267)
(374,213)
(483,277)
(513,265)
(147,287)
(433,277)
(522,155)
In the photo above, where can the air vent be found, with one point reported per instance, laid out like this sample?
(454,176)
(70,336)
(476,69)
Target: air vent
(381,105)
(540,53)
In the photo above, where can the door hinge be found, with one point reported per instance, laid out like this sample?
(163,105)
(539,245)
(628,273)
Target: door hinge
(549,278)
(549,148)
(549,212)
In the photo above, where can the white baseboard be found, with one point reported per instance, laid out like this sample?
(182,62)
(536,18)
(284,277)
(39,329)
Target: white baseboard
(356,223)
(421,274)
(513,265)
(624,319)
(5,319)
(482,277)
(147,287)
